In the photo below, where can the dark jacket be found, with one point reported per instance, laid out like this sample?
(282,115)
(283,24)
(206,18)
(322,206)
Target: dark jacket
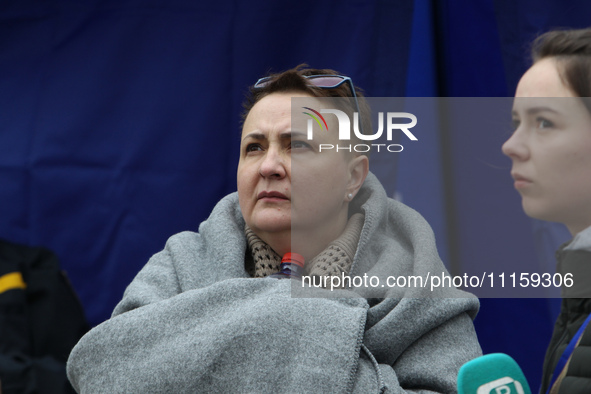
(573,313)
(41,320)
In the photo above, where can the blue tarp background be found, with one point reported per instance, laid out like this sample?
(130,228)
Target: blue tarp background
(119,126)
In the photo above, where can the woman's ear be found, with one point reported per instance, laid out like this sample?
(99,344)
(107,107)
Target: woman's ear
(358,170)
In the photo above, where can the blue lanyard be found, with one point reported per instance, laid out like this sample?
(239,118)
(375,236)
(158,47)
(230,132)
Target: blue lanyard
(567,353)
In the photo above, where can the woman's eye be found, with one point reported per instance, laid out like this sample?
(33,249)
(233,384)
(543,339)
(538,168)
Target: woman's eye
(515,123)
(253,147)
(544,123)
(299,145)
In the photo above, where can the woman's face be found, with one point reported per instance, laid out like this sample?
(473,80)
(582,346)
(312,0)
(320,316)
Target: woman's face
(551,148)
(284,183)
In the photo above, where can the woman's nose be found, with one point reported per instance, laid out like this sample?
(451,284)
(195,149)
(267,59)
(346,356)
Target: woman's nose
(273,165)
(515,147)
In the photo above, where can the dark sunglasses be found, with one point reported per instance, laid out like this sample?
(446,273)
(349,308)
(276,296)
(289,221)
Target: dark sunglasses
(323,81)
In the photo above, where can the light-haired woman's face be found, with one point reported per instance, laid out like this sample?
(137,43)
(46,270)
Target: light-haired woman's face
(551,148)
(284,183)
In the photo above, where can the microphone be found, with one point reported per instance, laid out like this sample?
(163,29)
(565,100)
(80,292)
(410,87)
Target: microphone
(495,373)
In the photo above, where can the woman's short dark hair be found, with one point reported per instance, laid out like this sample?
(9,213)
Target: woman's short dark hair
(572,51)
(294,80)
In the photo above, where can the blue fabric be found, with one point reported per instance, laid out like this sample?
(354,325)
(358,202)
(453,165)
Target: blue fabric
(120,120)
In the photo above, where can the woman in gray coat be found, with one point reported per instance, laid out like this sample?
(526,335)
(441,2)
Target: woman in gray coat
(203,315)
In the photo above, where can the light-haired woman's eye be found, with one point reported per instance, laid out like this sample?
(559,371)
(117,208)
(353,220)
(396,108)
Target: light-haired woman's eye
(299,145)
(253,147)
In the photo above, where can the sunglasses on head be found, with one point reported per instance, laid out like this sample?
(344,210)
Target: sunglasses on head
(323,81)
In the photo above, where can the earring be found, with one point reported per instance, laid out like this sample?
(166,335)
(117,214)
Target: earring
(350,196)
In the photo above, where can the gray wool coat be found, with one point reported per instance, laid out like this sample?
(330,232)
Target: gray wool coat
(194,321)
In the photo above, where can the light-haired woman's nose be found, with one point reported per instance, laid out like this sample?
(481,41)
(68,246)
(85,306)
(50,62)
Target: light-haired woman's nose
(273,164)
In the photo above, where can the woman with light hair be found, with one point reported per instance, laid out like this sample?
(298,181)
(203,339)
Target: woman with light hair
(207,314)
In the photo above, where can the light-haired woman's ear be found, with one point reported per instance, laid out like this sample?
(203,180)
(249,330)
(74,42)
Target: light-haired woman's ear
(358,170)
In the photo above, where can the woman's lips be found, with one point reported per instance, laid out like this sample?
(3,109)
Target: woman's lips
(272,196)
(520,181)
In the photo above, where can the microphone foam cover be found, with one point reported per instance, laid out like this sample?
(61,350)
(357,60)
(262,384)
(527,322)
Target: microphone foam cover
(494,373)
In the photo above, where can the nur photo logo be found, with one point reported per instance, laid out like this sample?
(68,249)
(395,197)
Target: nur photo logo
(391,120)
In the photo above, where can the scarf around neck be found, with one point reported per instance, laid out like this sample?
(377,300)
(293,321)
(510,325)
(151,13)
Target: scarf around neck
(337,258)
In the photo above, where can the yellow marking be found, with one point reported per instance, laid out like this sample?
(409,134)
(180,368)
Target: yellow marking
(14,280)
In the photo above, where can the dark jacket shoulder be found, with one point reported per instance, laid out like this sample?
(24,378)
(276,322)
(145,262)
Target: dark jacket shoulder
(573,313)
